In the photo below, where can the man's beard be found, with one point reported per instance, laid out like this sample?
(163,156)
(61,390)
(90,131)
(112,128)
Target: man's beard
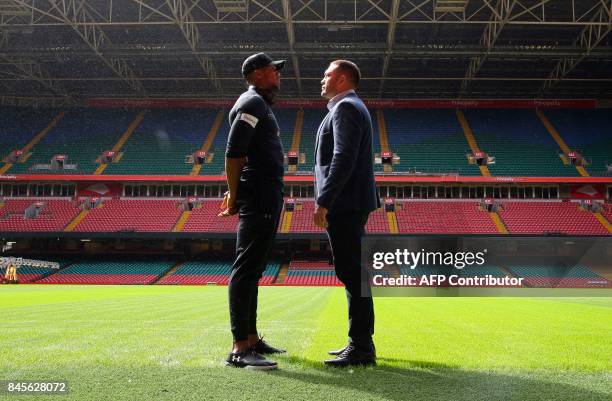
(268,94)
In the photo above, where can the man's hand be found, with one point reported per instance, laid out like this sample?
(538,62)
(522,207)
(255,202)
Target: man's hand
(228,206)
(320,217)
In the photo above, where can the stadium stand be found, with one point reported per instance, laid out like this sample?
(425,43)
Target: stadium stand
(306,273)
(161,142)
(81,135)
(607,211)
(51,215)
(377,222)
(200,272)
(376,131)
(29,274)
(570,277)
(428,140)
(302,218)
(216,158)
(519,142)
(129,215)
(312,119)
(588,132)
(300,273)
(212,272)
(204,219)
(110,272)
(412,216)
(549,217)
(270,274)
(286,123)
(19,125)
(376,142)
(165,136)
(443,217)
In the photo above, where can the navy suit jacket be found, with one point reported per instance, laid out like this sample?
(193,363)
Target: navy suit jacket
(344,170)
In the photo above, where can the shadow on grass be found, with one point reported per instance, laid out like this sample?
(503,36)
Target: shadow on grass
(425,380)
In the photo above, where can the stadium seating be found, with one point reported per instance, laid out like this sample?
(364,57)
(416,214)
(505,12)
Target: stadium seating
(569,282)
(165,136)
(519,142)
(544,270)
(377,147)
(413,216)
(132,215)
(205,219)
(270,274)
(428,141)
(557,277)
(607,211)
(286,123)
(198,273)
(307,273)
(55,215)
(161,142)
(19,125)
(217,150)
(549,217)
(443,217)
(377,222)
(29,274)
(312,120)
(82,135)
(302,272)
(110,272)
(301,221)
(588,132)
(213,272)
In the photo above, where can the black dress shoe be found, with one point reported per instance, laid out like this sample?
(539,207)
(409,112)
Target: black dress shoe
(352,357)
(338,351)
(341,350)
(262,347)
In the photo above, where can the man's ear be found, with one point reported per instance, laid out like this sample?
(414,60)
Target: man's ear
(253,76)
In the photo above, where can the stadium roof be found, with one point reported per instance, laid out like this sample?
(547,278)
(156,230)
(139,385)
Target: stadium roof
(68,50)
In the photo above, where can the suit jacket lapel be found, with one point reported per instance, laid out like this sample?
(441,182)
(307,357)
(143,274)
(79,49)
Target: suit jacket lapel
(319,131)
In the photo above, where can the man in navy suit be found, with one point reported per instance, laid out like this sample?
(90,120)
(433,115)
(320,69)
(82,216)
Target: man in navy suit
(345,194)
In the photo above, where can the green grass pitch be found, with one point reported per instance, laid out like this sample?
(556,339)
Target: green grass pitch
(169,343)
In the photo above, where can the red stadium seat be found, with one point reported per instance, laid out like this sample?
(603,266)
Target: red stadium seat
(443,217)
(549,217)
(132,215)
(54,217)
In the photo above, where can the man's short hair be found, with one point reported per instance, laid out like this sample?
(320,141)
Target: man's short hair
(349,69)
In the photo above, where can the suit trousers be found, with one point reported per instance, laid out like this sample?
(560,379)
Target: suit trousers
(345,231)
(256,234)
